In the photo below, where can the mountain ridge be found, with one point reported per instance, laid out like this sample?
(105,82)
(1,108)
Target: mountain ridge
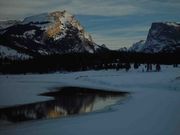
(57,32)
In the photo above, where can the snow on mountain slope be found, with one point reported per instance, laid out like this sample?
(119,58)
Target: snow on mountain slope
(6,24)
(175,24)
(6,52)
(137,47)
(162,37)
(38,18)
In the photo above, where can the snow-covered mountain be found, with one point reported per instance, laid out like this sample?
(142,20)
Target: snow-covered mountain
(137,47)
(48,33)
(6,24)
(162,37)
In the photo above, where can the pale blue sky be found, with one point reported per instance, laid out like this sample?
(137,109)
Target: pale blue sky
(116,23)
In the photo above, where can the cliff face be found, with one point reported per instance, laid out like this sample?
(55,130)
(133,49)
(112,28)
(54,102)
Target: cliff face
(162,37)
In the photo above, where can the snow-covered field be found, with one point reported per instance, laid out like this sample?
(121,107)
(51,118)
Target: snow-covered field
(152,109)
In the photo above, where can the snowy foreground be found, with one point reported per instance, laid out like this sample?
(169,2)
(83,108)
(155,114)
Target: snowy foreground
(152,109)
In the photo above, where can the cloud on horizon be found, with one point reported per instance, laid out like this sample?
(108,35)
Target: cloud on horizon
(20,8)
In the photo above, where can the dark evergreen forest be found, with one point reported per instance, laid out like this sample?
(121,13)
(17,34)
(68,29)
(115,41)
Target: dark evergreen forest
(85,61)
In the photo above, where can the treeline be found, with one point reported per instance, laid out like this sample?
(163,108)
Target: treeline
(85,61)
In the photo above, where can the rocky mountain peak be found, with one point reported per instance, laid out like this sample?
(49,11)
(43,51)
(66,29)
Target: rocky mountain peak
(162,37)
(56,23)
(49,33)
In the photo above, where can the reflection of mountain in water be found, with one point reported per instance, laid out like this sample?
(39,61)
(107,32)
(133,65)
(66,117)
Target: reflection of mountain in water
(67,101)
